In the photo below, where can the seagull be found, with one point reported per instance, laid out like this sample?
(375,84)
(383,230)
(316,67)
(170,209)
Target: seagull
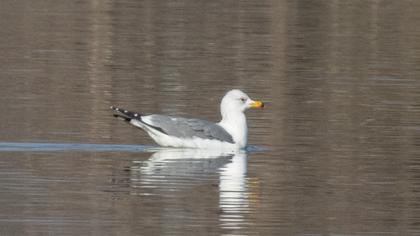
(171,131)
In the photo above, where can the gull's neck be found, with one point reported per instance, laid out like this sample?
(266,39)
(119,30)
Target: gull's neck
(235,124)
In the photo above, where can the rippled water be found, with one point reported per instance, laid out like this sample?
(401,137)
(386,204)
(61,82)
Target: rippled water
(335,151)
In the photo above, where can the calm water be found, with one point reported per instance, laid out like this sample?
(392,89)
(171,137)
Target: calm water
(336,151)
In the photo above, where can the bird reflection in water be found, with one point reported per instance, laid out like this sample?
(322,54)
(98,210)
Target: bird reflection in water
(196,179)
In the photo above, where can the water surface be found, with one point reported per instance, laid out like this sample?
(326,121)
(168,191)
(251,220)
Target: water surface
(337,144)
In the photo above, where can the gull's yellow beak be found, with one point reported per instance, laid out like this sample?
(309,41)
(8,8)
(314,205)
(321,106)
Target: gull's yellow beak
(257,104)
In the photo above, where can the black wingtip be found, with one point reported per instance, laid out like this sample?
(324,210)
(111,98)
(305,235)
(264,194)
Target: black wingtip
(124,114)
(114,108)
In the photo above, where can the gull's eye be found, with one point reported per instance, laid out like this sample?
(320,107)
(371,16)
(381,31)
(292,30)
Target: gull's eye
(243,99)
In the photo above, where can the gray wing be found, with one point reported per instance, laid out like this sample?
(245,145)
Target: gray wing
(189,128)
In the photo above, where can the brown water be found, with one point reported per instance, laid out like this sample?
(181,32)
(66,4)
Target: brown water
(338,145)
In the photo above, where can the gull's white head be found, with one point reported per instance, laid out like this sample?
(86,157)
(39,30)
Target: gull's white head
(236,101)
(233,106)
